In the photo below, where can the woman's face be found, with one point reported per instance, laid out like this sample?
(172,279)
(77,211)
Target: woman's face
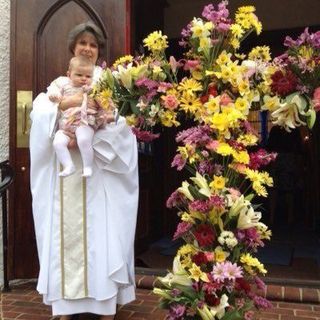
(87,46)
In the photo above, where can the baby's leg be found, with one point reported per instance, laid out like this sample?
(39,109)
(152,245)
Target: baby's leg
(60,144)
(84,136)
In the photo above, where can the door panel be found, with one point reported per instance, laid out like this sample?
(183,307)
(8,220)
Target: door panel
(39,54)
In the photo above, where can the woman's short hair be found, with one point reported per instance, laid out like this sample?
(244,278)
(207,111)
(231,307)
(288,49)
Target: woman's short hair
(81,28)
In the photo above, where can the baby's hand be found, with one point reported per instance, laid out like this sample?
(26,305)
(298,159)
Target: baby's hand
(108,117)
(55,98)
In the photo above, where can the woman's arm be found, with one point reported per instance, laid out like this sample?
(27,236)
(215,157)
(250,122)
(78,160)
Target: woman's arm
(70,101)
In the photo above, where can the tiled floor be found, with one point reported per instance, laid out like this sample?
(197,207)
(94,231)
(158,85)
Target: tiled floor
(24,303)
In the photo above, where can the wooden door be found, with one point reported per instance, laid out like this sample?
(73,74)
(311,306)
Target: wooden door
(39,54)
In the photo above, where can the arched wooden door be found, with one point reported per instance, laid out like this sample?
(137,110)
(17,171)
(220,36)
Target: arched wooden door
(38,55)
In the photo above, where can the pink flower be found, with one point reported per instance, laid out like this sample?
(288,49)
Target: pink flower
(232,271)
(182,228)
(178,162)
(144,136)
(174,64)
(175,200)
(225,99)
(234,193)
(212,145)
(316,99)
(191,64)
(170,101)
(164,86)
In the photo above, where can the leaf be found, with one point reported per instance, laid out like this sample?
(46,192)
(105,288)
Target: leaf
(232,315)
(236,253)
(124,108)
(133,105)
(196,194)
(189,292)
(311,119)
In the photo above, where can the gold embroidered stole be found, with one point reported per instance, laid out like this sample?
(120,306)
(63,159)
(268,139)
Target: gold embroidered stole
(73,233)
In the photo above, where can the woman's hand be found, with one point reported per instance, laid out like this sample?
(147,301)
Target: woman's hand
(71,102)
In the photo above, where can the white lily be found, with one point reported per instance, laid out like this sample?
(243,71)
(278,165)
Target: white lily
(238,205)
(162,293)
(202,183)
(124,75)
(209,313)
(184,189)
(248,218)
(288,114)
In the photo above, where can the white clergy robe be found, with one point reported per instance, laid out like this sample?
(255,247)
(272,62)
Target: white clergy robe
(84,227)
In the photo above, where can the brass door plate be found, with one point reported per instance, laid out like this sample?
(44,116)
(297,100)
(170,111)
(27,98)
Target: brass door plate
(24,106)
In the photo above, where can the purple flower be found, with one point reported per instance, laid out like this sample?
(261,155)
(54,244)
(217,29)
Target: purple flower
(206,167)
(195,135)
(315,40)
(146,82)
(259,283)
(179,162)
(250,237)
(175,200)
(175,292)
(176,312)
(261,158)
(144,136)
(261,303)
(249,315)
(182,228)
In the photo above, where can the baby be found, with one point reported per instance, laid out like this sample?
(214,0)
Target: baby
(80,121)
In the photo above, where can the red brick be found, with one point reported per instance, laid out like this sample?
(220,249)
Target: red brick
(305,313)
(274,292)
(310,295)
(292,294)
(124,315)
(296,306)
(270,315)
(142,308)
(296,318)
(280,311)
(10,314)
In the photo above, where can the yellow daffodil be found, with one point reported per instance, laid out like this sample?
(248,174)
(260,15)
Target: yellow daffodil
(220,255)
(218,183)
(200,29)
(270,103)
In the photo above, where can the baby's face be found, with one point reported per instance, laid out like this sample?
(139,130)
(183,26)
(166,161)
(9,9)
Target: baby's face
(81,75)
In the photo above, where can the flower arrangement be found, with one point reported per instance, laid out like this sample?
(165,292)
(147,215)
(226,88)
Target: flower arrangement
(295,87)
(143,87)
(215,274)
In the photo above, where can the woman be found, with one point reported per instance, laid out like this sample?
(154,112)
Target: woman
(84,226)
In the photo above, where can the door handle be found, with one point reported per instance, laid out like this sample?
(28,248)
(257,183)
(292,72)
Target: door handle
(24,103)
